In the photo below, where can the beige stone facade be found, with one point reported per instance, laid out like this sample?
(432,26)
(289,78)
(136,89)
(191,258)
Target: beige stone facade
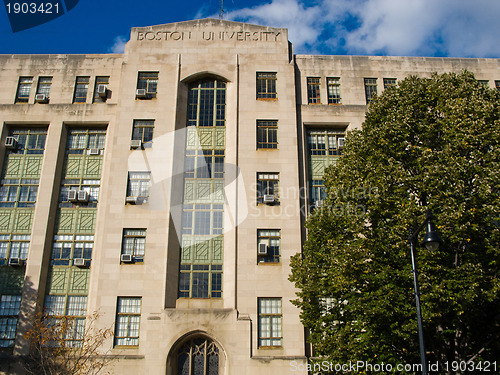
(196,284)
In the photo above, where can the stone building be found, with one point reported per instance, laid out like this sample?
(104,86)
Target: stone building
(167,188)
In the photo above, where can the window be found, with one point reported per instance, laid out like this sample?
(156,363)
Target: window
(198,356)
(134,243)
(389,82)
(44,84)
(267,134)
(266,86)
(28,141)
(68,247)
(207,103)
(99,96)
(313,90)
(497,85)
(148,81)
(202,219)
(138,185)
(325,142)
(204,164)
(271,239)
(333,90)
(68,311)
(128,319)
(483,82)
(81,88)
(267,184)
(370,88)
(18,192)
(200,280)
(81,140)
(270,319)
(91,187)
(318,193)
(143,131)
(14,246)
(23,89)
(9,311)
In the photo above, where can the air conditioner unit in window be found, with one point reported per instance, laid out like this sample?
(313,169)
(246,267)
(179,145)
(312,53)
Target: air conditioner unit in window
(127,258)
(79,262)
(268,198)
(41,98)
(135,143)
(94,151)
(341,142)
(102,91)
(10,143)
(141,94)
(15,261)
(73,196)
(83,196)
(132,200)
(262,251)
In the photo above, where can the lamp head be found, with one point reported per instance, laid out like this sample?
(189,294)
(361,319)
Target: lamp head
(431,240)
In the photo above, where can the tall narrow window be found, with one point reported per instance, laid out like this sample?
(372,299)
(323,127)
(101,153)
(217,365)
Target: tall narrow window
(147,84)
(270,321)
(81,88)
(134,243)
(138,186)
(44,84)
(23,89)
(143,131)
(497,85)
(200,276)
(268,243)
(268,187)
(333,90)
(370,88)
(313,90)
(266,85)
(267,134)
(128,319)
(101,91)
(9,311)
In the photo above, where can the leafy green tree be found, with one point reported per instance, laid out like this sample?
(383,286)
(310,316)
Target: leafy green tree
(426,144)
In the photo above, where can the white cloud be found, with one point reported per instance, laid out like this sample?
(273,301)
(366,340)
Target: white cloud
(392,27)
(118,44)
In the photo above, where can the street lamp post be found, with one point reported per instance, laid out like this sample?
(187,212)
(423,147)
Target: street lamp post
(431,242)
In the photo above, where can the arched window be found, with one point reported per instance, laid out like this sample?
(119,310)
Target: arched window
(198,356)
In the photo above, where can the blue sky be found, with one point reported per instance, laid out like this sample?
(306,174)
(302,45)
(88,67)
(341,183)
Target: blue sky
(457,28)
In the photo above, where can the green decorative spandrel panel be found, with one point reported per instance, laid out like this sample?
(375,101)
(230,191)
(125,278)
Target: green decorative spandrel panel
(13,168)
(86,221)
(58,279)
(73,167)
(201,254)
(204,190)
(79,281)
(11,280)
(93,167)
(318,165)
(23,220)
(217,245)
(5,219)
(220,139)
(218,195)
(192,136)
(33,166)
(65,222)
(206,138)
(189,191)
(186,253)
